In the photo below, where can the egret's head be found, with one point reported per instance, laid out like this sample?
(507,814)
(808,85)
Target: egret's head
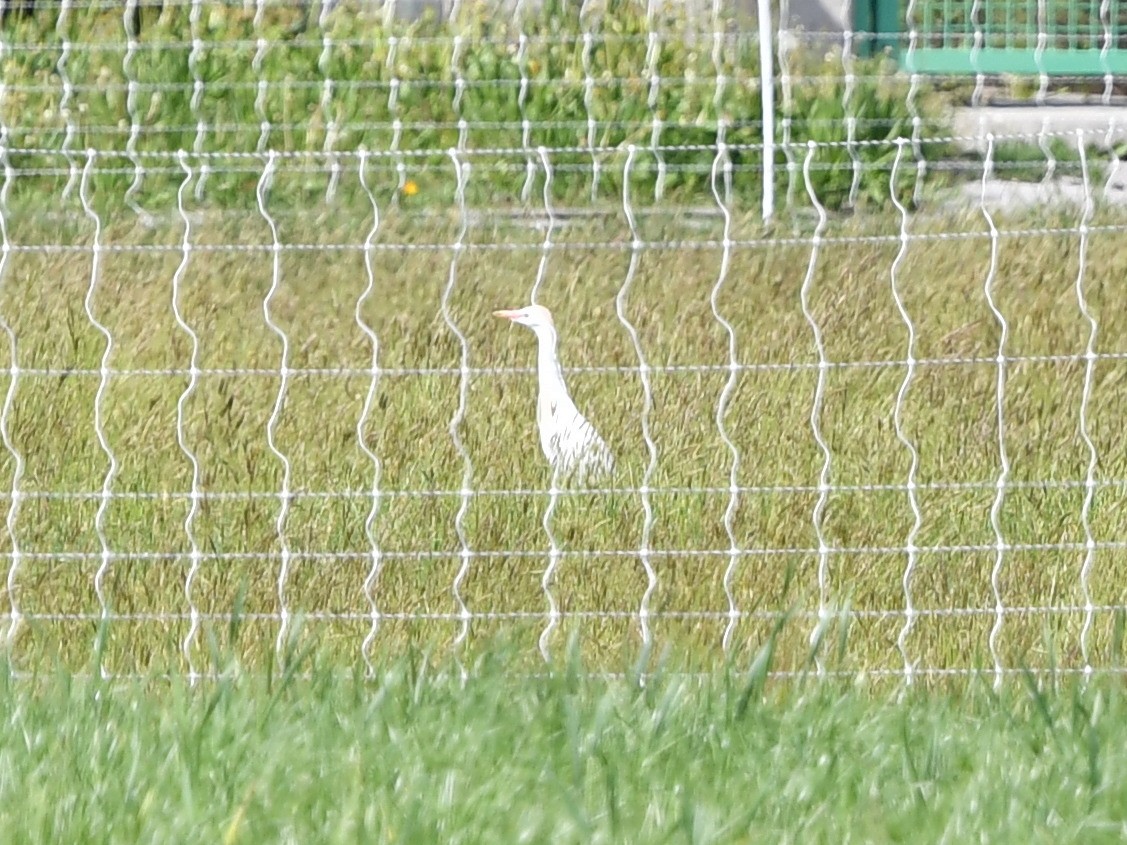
(533,316)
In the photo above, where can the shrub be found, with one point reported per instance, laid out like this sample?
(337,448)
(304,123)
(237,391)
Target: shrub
(565,77)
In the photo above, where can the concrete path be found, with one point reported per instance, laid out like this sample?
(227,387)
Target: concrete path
(1103,126)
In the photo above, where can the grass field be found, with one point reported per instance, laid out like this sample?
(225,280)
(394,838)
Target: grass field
(419,757)
(393,536)
(948,412)
(272,440)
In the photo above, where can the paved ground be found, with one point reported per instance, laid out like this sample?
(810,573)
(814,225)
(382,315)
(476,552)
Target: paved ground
(1102,125)
(1062,191)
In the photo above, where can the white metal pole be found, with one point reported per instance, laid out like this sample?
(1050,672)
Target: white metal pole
(767,87)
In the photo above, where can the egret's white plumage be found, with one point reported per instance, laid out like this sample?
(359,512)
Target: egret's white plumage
(570,442)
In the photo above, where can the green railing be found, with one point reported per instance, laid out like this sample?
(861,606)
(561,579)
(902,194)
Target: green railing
(1053,37)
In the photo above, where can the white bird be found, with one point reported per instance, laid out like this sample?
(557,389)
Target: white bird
(570,442)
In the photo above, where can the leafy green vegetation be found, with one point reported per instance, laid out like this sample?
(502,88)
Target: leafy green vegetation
(236,82)
(1032,162)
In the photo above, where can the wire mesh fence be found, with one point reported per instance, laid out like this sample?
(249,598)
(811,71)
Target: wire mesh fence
(254,391)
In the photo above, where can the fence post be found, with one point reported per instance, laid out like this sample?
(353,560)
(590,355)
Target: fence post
(880,21)
(767,103)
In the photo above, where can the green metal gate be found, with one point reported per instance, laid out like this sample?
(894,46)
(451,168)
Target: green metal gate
(1054,37)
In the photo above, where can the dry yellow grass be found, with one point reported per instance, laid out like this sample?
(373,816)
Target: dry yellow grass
(948,412)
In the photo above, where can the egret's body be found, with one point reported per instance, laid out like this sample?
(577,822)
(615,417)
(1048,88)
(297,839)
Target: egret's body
(570,442)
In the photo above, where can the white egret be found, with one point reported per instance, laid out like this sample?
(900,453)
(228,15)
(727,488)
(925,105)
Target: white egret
(570,442)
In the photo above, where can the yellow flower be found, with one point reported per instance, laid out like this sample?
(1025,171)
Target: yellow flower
(410,188)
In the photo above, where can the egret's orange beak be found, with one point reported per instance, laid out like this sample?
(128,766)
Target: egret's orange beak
(508,314)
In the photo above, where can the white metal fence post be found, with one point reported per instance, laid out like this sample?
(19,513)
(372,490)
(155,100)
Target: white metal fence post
(767,82)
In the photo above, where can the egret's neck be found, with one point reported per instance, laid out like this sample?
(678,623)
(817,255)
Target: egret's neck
(548,362)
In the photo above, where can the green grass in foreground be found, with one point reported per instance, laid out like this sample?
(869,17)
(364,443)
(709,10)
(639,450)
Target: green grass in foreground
(416,756)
